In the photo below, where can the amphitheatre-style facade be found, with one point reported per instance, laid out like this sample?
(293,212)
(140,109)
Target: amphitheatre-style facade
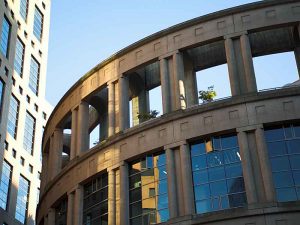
(231,161)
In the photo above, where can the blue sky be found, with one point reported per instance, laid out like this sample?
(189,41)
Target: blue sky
(83,33)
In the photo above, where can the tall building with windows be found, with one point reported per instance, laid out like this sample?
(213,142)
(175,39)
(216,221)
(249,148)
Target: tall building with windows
(24,32)
(229,161)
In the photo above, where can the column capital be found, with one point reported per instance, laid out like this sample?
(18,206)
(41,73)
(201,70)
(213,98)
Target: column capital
(249,128)
(168,55)
(176,144)
(235,35)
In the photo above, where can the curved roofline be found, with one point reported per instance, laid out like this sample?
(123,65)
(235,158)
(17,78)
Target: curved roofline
(174,28)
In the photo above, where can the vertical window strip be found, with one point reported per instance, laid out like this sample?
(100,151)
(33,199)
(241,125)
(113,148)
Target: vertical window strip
(5,184)
(217,174)
(34,76)
(19,57)
(22,200)
(13,115)
(148,190)
(24,9)
(29,132)
(283,145)
(5,35)
(2,86)
(38,24)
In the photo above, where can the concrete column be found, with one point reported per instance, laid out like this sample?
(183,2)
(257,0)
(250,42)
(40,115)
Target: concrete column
(248,63)
(265,165)
(83,128)
(187,180)
(103,127)
(180,102)
(191,88)
(140,105)
(111,197)
(232,67)
(70,210)
(124,192)
(44,180)
(46,220)
(297,58)
(111,108)
(74,131)
(250,186)
(124,103)
(165,86)
(172,187)
(78,206)
(56,152)
(51,216)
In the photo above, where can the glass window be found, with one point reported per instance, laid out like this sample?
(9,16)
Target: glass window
(217,174)
(2,86)
(13,115)
(19,57)
(95,201)
(148,194)
(61,212)
(34,76)
(5,35)
(5,184)
(38,24)
(284,153)
(24,9)
(22,200)
(29,133)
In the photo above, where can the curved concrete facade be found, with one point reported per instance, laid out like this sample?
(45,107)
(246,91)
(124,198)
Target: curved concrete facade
(170,59)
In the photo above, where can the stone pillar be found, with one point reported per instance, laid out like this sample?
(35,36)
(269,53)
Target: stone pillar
(83,128)
(44,180)
(140,105)
(111,108)
(265,165)
(56,152)
(78,206)
(187,180)
(111,197)
(70,210)
(74,131)
(51,216)
(172,184)
(165,86)
(248,63)
(232,67)
(250,186)
(46,220)
(180,102)
(297,58)
(124,103)
(103,127)
(124,192)
(191,88)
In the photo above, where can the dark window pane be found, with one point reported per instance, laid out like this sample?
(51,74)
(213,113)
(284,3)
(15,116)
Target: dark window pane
(198,149)
(135,195)
(276,148)
(233,170)
(296,176)
(280,163)
(286,194)
(136,221)
(235,185)
(274,134)
(229,142)
(293,146)
(135,209)
(295,162)
(200,177)
(203,206)
(202,192)
(135,168)
(215,159)
(218,188)
(135,181)
(216,173)
(231,156)
(297,130)
(283,179)
(162,215)
(199,162)
(237,200)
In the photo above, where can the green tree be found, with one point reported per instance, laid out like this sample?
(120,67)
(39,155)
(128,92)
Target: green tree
(209,95)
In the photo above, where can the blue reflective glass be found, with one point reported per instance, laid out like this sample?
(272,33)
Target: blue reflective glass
(162,215)
(160,159)
(218,188)
(235,185)
(215,159)
(5,35)
(237,200)
(161,173)
(200,177)
(229,142)
(293,146)
(162,186)
(198,149)
(149,160)
(22,200)
(286,194)
(280,163)
(274,134)
(233,170)
(295,162)
(38,24)
(203,206)
(296,176)
(216,173)
(288,132)
(231,156)
(202,192)
(199,162)
(297,130)
(283,179)
(277,148)
(162,202)
(217,143)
